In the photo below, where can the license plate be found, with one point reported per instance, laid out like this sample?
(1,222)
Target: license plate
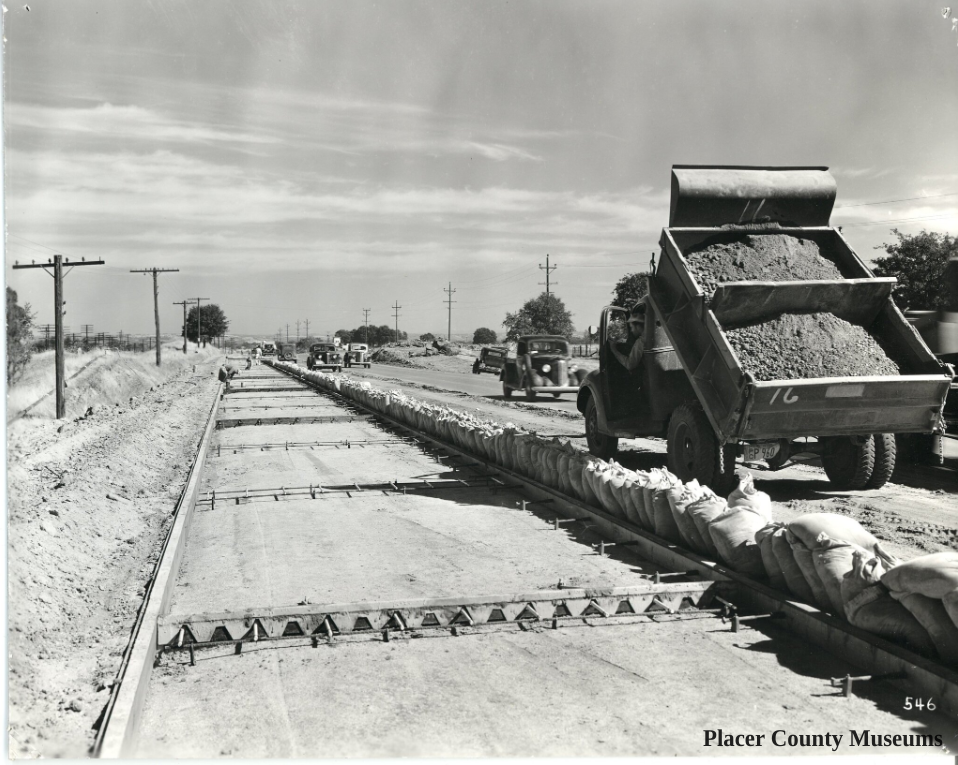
(760,451)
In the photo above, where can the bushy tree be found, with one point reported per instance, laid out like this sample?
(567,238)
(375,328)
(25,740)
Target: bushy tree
(210,320)
(544,315)
(345,336)
(303,343)
(19,337)
(918,262)
(630,289)
(428,337)
(484,336)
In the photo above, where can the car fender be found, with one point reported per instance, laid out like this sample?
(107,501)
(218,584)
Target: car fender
(591,388)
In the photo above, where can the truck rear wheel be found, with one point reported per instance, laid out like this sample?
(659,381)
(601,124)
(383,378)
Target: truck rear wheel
(693,450)
(602,446)
(849,461)
(886,454)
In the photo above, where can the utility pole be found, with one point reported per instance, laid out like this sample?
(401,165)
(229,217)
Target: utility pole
(396,312)
(86,332)
(449,301)
(199,322)
(58,312)
(156,300)
(366,323)
(184,303)
(297,334)
(548,270)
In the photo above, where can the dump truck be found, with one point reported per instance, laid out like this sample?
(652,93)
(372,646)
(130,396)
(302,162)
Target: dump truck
(691,387)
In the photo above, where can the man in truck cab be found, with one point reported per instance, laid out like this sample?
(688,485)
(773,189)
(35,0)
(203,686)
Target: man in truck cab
(629,351)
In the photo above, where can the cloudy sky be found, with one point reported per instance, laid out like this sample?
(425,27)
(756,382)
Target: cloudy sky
(305,159)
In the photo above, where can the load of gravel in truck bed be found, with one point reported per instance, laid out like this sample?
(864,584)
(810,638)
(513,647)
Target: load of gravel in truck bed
(759,258)
(800,346)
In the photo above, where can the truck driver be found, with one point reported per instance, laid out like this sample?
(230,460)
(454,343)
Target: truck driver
(629,352)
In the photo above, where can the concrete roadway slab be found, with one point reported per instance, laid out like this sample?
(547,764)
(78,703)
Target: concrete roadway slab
(373,547)
(640,690)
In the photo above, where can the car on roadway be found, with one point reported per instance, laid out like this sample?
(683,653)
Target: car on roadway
(325,356)
(491,359)
(542,364)
(357,355)
(269,349)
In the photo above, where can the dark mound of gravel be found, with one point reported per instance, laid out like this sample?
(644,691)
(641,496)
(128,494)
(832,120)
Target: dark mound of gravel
(761,258)
(795,346)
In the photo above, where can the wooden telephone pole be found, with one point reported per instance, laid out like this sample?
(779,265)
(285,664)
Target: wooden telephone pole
(156,300)
(199,322)
(58,312)
(184,303)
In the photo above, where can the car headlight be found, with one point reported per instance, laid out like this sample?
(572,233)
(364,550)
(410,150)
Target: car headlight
(546,368)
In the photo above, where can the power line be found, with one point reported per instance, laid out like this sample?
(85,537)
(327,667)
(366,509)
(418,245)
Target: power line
(893,201)
(895,220)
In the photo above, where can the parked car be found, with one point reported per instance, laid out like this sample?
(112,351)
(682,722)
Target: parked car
(324,356)
(357,355)
(543,364)
(269,349)
(490,360)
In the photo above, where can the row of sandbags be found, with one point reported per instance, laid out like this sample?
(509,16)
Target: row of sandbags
(823,559)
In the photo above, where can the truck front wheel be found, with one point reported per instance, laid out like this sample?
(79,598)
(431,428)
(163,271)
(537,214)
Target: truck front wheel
(602,446)
(693,451)
(849,461)
(886,453)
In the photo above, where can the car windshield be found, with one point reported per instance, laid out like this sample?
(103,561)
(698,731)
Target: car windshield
(322,348)
(548,346)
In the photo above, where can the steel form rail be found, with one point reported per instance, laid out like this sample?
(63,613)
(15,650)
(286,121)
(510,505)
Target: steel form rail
(118,730)
(287,445)
(872,653)
(238,422)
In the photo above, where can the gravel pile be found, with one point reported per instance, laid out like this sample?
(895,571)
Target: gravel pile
(759,257)
(794,346)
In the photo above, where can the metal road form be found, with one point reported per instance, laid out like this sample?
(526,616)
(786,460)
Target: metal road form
(337,585)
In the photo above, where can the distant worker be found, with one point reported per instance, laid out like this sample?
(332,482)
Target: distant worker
(629,352)
(227,373)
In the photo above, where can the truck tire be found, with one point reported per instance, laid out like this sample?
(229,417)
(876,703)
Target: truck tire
(693,450)
(886,454)
(600,445)
(506,391)
(848,461)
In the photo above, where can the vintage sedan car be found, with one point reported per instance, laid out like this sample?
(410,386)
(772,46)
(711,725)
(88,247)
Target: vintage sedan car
(269,349)
(491,359)
(325,356)
(357,355)
(543,364)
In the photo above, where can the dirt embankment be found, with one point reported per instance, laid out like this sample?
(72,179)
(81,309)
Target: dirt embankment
(790,346)
(89,501)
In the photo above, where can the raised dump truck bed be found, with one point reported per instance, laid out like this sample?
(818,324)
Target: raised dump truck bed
(739,407)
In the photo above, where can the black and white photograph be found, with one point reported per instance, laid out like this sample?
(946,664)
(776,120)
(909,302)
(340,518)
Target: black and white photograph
(446,379)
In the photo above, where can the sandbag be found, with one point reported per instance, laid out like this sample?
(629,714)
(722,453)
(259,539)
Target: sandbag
(833,559)
(763,538)
(866,572)
(589,481)
(840,527)
(637,498)
(680,497)
(733,533)
(628,495)
(950,602)
(617,477)
(875,611)
(603,482)
(933,576)
(803,557)
(747,496)
(663,520)
(659,478)
(931,614)
(702,512)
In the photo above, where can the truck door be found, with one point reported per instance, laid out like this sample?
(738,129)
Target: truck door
(619,386)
